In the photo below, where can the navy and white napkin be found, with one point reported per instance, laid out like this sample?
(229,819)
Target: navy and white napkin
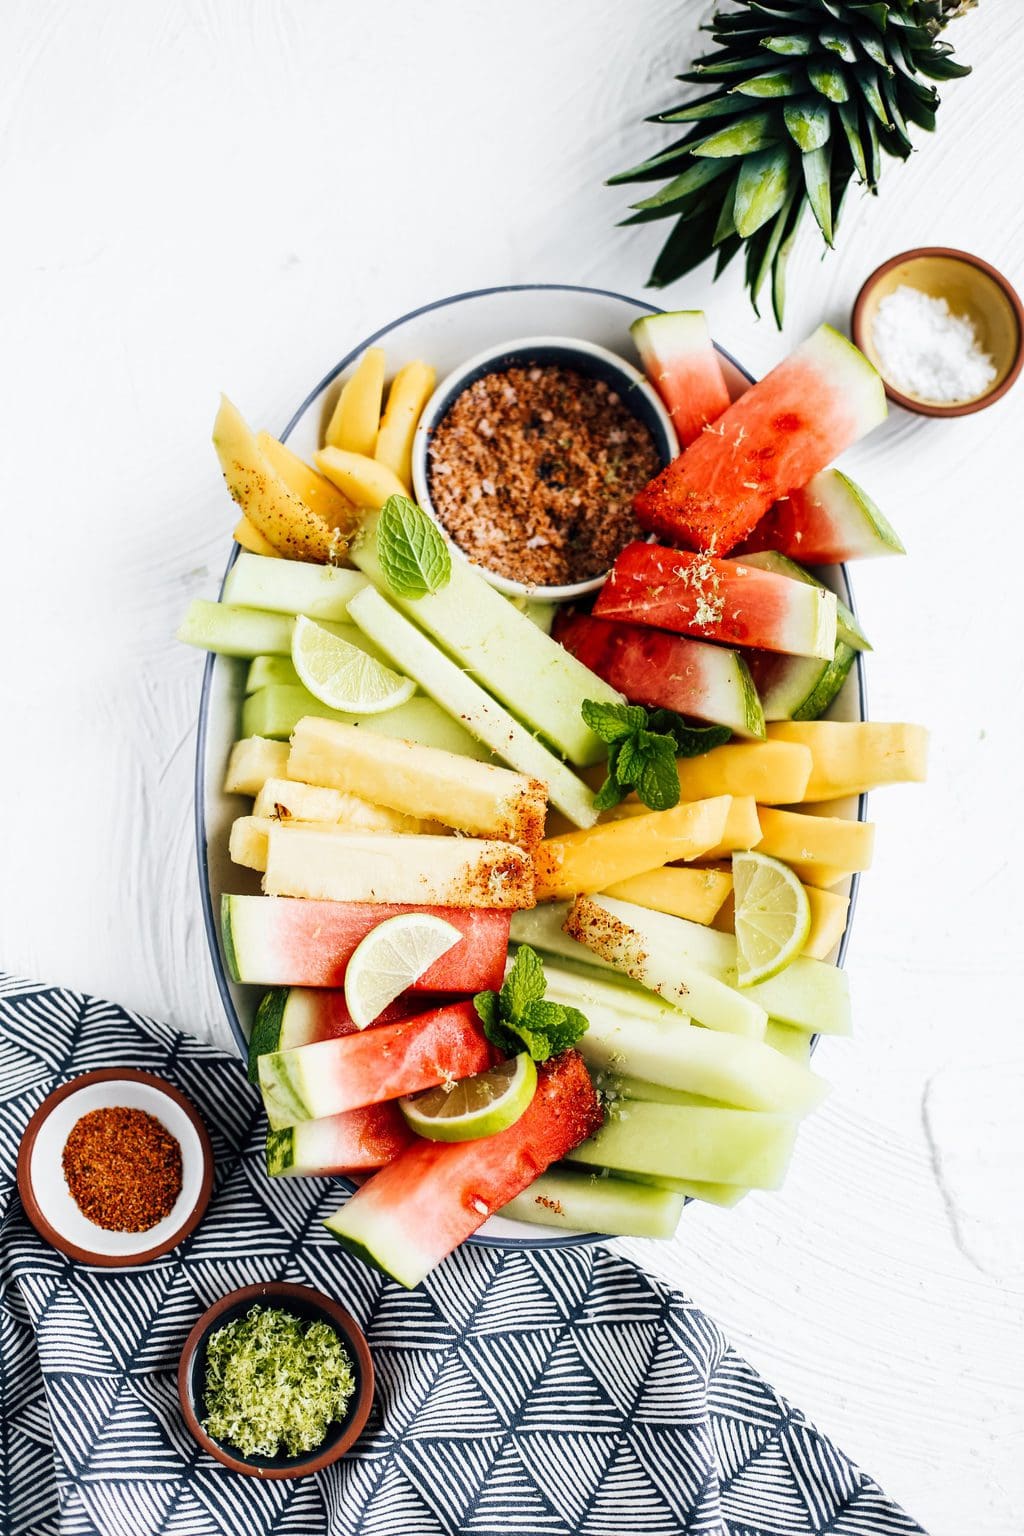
(542,1392)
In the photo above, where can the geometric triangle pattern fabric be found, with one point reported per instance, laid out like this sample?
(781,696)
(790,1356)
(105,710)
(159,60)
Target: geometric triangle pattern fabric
(545,1392)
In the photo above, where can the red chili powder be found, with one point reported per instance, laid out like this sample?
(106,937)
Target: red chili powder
(123,1169)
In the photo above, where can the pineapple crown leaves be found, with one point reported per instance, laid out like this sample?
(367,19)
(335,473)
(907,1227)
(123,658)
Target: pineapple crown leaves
(802,98)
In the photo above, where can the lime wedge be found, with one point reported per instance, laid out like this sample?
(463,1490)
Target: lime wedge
(390,958)
(773,916)
(342,676)
(475,1106)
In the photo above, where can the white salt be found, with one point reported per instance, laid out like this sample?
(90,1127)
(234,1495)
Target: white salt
(927,351)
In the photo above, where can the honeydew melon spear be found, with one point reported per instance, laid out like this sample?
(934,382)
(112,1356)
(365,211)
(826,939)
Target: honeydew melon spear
(659,670)
(277,942)
(716,1146)
(722,600)
(291,586)
(680,360)
(827,521)
(670,1051)
(582,1201)
(378,1064)
(508,655)
(417,1210)
(775,438)
(358,1139)
(274,712)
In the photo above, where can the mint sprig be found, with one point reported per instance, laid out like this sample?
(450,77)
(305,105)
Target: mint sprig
(411,549)
(520,1018)
(642,749)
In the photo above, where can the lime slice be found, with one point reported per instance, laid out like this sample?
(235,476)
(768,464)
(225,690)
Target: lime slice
(342,676)
(773,916)
(390,958)
(475,1106)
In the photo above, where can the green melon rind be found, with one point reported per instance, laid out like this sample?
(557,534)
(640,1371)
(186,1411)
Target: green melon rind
(848,628)
(829,685)
(847,374)
(844,501)
(587,1202)
(280,1151)
(753,713)
(282,1080)
(803,689)
(266,1029)
(227,936)
(375,1239)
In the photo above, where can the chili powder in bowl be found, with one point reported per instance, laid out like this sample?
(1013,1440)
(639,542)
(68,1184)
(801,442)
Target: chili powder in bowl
(115,1167)
(529,455)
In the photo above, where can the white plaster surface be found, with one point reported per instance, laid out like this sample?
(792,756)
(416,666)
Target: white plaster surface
(226,194)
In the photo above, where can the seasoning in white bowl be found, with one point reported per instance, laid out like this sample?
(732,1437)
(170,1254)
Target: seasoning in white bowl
(927,351)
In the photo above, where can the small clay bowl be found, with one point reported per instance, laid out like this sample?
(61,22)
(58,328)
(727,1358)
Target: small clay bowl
(310,1306)
(971,287)
(585,357)
(46,1198)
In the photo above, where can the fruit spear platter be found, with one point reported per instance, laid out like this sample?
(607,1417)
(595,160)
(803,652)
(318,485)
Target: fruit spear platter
(527,913)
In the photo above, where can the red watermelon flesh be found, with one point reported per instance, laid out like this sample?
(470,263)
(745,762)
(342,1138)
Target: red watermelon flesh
(722,600)
(280,941)
(417,1210)
(826,522)
(771,441)
(381,1063)
(359,1139)
(680,360)
(666,671)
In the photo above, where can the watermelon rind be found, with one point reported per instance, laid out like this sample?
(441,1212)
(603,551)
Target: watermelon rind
(266,1029)
(848,629)
(847,372)
(868,529)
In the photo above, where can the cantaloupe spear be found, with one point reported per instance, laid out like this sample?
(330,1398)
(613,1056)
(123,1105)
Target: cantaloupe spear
(251,539)
(356,417)
(720,1146)
(252,762)
(365,481)
(629,939)
(806,843)
(742,829)
(313,490)
(697,894)
(481,798)
(410,390)
(330,864)
(455,691)
(284,799)
(851,757)
(594,859)
(270,505)
(668,1050)
(771,772)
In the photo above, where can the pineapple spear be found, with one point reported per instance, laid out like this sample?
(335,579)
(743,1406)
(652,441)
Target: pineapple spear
(805,96)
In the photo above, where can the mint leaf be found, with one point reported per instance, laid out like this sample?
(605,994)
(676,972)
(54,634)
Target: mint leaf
(524,983)
(690,740)
(518,1016)
(642,749)
(613,722)
(411,549)
(658,782)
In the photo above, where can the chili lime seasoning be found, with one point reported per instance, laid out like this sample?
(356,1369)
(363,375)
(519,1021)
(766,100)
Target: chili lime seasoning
(123,1169)
(532,471)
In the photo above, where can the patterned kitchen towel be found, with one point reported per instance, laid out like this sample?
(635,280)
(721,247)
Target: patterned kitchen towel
(542,1392)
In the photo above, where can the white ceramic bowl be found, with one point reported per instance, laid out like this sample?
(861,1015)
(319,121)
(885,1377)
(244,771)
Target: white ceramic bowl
(49,1203)
(566,351)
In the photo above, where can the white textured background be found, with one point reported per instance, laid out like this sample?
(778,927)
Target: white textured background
(228,194)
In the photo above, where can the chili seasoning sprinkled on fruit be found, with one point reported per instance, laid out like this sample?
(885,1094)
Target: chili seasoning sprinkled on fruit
(532,472)
(123,1169)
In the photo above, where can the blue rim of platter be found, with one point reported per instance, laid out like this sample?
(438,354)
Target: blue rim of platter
(209,917)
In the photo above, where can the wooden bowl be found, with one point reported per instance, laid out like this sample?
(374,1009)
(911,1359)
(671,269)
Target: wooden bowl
(310,1306)
(973,288)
